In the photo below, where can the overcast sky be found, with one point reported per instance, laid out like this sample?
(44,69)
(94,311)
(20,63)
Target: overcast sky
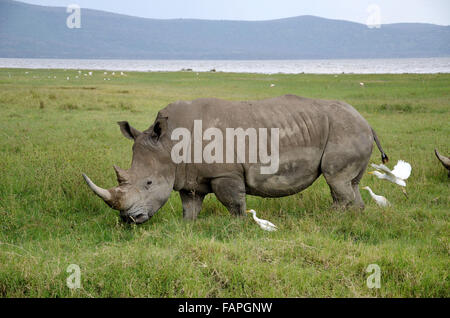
(392,11)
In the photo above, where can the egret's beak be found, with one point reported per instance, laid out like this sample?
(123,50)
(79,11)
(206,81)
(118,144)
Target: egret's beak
(247,211)
(371,172)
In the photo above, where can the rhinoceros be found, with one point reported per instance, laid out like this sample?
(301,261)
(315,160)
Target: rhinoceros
(314,137)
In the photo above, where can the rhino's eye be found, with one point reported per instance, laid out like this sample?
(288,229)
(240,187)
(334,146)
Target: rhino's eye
(149,183)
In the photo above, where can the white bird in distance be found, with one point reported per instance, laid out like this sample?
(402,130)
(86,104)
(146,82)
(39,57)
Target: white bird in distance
(264,224)
(398,175)
(379,199)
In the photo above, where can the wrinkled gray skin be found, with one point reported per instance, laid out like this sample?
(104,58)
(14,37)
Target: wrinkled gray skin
(316,137)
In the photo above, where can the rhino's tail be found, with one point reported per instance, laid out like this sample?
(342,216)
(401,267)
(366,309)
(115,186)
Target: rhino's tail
(384,157)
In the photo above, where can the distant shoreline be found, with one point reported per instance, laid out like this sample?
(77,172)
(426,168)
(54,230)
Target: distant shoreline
(319,66)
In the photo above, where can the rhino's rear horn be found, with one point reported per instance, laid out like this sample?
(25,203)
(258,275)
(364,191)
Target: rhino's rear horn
(102,193)
(122,175)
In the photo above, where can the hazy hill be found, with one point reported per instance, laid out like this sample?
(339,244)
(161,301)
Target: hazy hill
(37,31)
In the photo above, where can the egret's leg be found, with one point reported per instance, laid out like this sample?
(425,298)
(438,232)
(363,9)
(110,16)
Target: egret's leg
(230,191)
(192,204)
(404,192)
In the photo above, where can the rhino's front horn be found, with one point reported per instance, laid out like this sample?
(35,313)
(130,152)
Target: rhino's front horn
(102,193)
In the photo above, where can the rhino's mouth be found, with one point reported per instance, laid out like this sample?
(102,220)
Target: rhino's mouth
(138,218)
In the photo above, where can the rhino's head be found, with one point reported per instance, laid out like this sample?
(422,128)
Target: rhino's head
(146,186)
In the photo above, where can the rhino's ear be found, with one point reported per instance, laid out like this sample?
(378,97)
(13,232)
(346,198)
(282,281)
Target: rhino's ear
(128,131)
(159,128)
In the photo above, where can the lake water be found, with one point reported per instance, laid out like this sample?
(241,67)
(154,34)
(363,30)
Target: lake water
(361,66)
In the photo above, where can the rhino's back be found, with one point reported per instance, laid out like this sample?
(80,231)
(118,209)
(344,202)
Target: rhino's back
(301,121)
(304,124)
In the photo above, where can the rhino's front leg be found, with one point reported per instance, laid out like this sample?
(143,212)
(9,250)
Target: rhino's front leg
(230,191)
(192,204)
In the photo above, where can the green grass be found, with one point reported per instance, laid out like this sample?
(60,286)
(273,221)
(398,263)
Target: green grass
(52,130)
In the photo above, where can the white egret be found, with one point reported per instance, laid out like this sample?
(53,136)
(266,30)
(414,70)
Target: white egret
(264,224)
(398,175)
(379,199)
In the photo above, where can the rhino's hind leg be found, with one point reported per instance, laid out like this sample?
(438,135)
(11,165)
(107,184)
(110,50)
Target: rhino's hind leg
(230,191)
(344,186)
(344,162)
(355,185)
(192,204)
(342,193)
